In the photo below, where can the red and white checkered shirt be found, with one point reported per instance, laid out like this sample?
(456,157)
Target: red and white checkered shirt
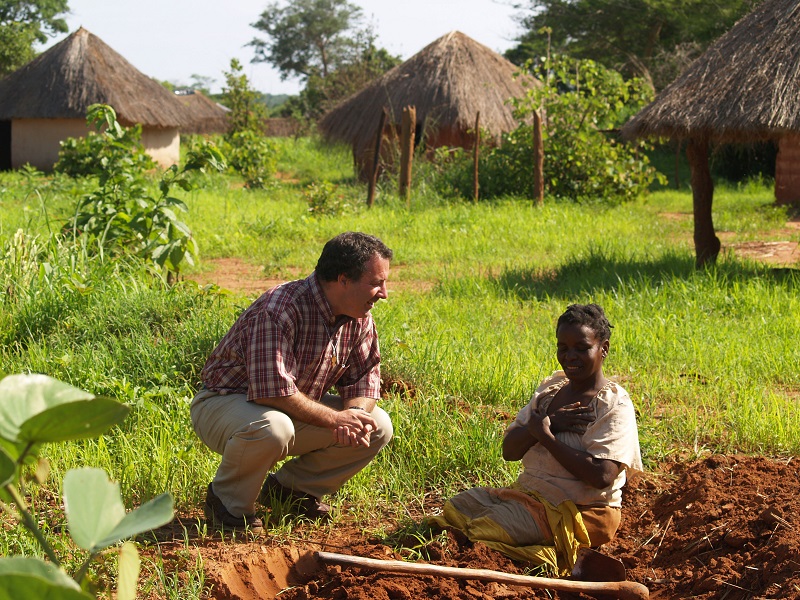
(289,340)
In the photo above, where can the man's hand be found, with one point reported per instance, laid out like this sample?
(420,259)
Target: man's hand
(353,427)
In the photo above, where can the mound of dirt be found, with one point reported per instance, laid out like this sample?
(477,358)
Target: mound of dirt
(722,528)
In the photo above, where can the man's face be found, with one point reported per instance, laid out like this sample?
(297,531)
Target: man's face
(360,295)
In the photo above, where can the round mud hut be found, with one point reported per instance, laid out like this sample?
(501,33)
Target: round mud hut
(45,102)
(448,82)
(744,88)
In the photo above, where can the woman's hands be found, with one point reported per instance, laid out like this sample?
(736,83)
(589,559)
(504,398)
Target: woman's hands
(572,417)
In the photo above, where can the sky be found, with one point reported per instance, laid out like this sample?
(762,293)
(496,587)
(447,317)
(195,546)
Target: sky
(172,40)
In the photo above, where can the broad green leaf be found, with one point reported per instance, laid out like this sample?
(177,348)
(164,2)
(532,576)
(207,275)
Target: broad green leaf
(26,402)
(24,396)
(74,421)
(25,578)
(96,516)
(128,572)
(155,513)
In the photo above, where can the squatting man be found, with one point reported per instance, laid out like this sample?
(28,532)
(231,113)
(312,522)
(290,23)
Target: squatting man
(265,388)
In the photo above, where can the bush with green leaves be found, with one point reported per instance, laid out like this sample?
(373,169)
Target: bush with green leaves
(125,216)
(325,198)
(249,151)
(35,410)
(109,146)
(252,155)
(582,104)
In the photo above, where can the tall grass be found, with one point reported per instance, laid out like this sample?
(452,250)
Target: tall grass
(710,357)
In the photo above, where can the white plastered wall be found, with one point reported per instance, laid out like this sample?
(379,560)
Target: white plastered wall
(36,141)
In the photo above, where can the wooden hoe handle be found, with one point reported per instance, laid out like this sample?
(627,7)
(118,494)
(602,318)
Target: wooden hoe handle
(625,590)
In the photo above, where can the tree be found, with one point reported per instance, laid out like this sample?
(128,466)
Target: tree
(307,37)
(651,39)
(22,24)
(321,93)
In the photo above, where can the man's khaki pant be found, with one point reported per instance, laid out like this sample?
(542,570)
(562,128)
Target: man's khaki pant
(252,439)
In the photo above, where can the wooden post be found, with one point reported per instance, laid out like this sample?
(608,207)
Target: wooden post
(538,155)
(407,129)
(677,164)
(706,242)
(373,178)
(475,156)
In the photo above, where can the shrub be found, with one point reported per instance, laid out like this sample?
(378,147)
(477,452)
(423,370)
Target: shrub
(583,103)
(123,216)
(110,146)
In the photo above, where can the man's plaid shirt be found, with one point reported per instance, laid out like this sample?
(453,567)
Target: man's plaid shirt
(289,340)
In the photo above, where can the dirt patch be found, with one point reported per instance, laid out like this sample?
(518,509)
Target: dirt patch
(720,528)
(240,277)
(775,253)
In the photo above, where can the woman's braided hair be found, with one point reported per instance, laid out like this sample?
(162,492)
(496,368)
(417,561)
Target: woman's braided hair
(591,315)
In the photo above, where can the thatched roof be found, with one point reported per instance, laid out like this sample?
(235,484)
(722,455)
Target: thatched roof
(206,116)
(81,70)
(745,87)
(448,81)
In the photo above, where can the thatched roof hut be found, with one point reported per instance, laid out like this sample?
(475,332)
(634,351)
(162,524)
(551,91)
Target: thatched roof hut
(744,88)
(448,82)
(205,115)
(46,100)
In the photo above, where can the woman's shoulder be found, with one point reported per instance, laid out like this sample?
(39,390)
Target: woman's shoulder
(556,380)
(613,394)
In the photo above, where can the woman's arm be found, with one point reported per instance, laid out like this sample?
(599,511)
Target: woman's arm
(597,472)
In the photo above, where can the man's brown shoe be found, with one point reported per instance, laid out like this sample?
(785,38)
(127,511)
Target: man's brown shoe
(217,514)
(303,504)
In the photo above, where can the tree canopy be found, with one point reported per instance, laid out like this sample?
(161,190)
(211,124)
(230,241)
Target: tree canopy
(652,39)
(22,24)
(307,37)
(323,43)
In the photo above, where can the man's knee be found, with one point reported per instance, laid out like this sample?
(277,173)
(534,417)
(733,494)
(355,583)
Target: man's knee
(275,432)
(383,434)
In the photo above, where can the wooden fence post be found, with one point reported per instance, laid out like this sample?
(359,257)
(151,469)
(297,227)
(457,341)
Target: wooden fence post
(407,130)
(475,156)
(538,152)
(373,177)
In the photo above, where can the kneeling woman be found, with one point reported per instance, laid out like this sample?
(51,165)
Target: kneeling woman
(576,438)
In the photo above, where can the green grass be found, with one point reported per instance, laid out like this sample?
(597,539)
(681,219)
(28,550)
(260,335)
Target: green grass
(709,357)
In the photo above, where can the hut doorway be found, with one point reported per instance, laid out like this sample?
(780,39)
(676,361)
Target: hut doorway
(5,145)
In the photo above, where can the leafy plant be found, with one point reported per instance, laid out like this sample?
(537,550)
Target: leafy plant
(582,104)
(250,153)
(253,156)
(110,147)
(123,215)
(325,199)
(34,410)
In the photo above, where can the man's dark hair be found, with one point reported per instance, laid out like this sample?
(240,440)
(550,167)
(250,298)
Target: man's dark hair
(591,315)
(348,254)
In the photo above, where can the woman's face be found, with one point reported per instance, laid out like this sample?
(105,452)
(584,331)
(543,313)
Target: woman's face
(579,352)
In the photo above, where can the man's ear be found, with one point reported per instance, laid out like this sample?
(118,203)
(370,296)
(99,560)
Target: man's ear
(342,279)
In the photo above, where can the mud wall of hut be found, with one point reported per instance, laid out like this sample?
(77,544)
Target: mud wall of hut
(787,170)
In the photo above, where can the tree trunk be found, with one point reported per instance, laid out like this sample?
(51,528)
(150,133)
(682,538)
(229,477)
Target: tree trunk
(476,158)
(538,155)
(376,159)
(407,128)
(706,243)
